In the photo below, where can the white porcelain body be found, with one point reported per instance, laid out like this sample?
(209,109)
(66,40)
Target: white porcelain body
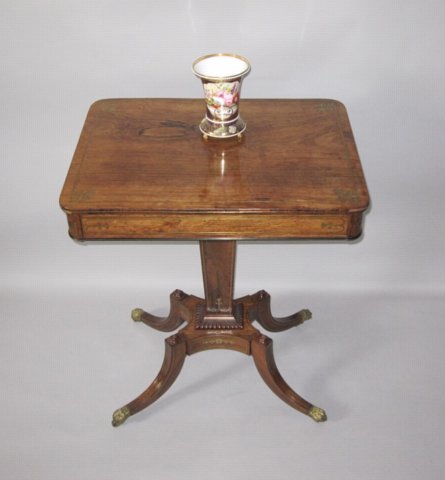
(222,75)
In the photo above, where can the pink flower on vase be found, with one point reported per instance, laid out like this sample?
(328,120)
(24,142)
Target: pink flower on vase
(228,99)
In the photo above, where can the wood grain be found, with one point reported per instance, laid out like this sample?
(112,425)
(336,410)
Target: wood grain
(142,170)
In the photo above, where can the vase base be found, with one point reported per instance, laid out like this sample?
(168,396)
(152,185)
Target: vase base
(223,129)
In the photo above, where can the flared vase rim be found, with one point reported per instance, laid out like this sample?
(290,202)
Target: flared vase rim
(212,78)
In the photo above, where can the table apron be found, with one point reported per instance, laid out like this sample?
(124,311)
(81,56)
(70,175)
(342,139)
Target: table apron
(213,226)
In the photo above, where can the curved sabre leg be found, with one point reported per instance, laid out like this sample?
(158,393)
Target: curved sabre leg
(175,352)
(262,352)
(262,313)
(164,324)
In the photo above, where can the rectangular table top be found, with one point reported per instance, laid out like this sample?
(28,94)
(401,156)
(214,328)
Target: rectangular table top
(143,170)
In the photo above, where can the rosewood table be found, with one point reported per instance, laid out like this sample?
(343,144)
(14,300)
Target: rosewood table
(142,170)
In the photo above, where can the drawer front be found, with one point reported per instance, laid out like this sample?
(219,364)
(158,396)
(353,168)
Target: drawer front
(221,226)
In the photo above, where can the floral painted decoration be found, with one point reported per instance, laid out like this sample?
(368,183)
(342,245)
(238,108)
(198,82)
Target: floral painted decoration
(222,98)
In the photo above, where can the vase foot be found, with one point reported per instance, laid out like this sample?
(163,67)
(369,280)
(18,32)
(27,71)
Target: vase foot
(222,129)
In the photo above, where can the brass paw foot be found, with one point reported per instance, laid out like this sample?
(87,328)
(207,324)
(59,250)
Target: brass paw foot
(119,416)
(136,314)
(318,414)
(164,324)
(261,312)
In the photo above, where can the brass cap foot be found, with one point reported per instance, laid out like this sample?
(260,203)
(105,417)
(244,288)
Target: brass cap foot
(318,414)
(119,416)
(306,314)
(136,314)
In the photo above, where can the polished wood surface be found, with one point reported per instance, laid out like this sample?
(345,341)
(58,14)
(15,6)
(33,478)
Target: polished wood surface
(219,321)
(142,170)
(248,340)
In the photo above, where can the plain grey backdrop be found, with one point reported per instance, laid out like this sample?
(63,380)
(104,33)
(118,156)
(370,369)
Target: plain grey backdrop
(373,354)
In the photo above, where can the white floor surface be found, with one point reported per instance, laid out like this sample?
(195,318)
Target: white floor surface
(373,361)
